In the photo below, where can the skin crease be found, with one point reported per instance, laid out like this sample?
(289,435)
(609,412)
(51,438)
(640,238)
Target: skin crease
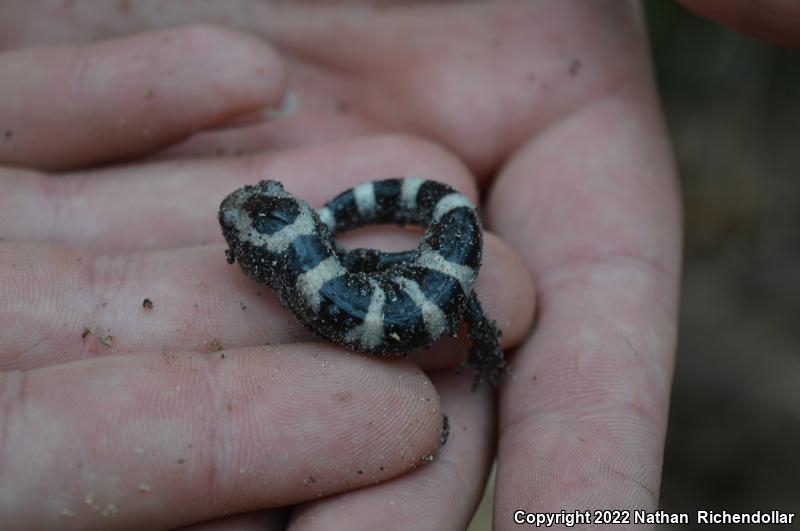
(551,107)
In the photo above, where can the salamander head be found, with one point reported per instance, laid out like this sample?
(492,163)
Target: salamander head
(266,203)
(256,216)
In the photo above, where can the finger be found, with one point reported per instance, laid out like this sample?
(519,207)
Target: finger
(584,413)
(272,520)
(173,204)
(776,21)
(161,440)
(63,305)
(69,106)
(443,495)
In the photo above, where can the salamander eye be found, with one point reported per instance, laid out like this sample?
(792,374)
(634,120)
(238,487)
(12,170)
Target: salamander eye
(270,214)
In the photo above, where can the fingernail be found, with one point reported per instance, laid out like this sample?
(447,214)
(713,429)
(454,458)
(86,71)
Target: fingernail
(288,106)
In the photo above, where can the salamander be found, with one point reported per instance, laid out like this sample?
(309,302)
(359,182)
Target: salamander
(365,299)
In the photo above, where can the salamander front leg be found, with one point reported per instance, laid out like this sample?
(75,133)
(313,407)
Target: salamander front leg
(485,357)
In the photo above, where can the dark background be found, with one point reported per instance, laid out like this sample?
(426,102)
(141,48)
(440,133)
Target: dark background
(733,108)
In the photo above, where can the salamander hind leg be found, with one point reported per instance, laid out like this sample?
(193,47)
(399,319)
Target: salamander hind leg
(485,357)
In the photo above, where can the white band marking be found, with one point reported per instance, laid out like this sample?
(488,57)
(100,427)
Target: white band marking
(369,334)
(365,199)
(450,202)
(408,193)
(278,242)
(326,216)
(433,260)
(432,315)
(310,282)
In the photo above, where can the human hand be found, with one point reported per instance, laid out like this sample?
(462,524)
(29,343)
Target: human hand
(123,415)
(555,97)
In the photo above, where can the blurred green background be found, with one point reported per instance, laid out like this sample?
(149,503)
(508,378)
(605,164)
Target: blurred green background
(733,108)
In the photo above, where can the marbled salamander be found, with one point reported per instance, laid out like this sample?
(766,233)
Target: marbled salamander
(368,300)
